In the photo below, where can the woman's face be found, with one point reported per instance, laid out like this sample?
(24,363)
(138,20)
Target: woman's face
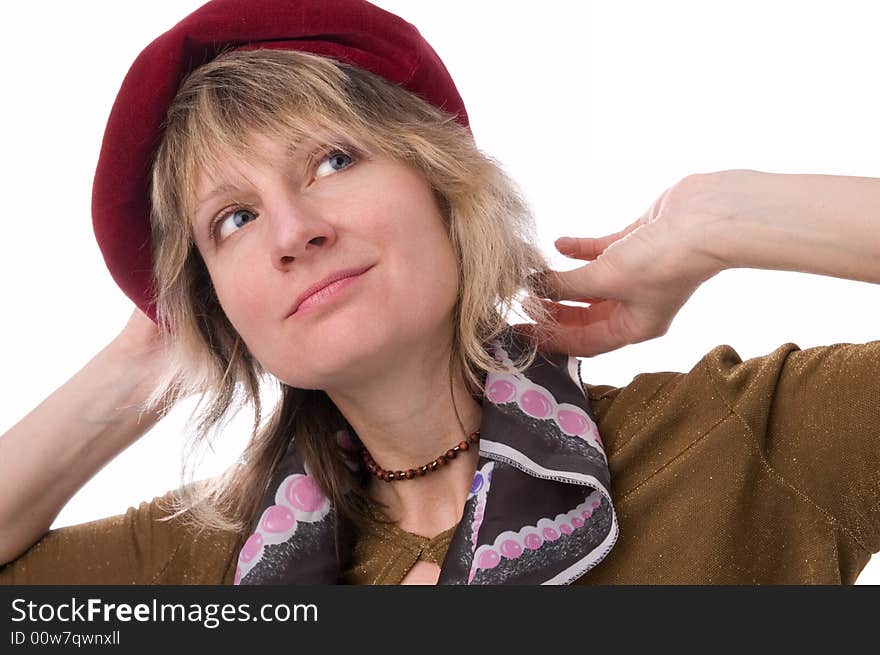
(284,229)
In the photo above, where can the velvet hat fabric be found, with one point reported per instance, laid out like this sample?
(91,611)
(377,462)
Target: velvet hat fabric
(352,31)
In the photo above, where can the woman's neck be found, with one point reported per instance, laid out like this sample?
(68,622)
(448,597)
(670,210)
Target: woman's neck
(429,504)
(407,421)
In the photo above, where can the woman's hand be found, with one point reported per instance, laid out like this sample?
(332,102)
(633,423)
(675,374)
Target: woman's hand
(637,278)
(140,345)
(139,337)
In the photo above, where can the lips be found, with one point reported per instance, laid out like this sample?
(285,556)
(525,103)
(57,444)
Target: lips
(325,282)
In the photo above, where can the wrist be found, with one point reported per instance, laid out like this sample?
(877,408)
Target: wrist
(729,212)
(134,374)
(700,220)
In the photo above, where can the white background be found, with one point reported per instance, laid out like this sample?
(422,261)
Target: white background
(593,107)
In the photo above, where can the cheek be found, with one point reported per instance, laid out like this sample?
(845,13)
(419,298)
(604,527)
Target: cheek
(240,298)
(416,239)
(428,274)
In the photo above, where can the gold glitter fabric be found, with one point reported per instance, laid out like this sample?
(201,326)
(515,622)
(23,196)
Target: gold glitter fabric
(764,471)
(131,548)
(383,553)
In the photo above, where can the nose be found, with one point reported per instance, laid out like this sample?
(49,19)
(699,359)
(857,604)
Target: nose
(295,230)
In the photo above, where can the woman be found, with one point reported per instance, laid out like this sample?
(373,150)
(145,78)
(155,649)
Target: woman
(379,192)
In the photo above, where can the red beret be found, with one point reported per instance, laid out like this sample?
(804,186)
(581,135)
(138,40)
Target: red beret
(353,31)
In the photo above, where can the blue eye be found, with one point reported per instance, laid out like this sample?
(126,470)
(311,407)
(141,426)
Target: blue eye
(218,223)
(337,160)
(336,157)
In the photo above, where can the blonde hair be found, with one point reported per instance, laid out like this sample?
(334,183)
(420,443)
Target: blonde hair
(288,95)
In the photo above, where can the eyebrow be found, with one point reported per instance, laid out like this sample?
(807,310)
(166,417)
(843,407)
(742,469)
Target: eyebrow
(223,188)
(291,152)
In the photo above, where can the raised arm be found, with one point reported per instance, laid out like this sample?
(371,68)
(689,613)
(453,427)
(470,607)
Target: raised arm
(822,224)
(638,278)
(53,451)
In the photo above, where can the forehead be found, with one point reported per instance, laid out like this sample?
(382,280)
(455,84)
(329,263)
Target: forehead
(226,162)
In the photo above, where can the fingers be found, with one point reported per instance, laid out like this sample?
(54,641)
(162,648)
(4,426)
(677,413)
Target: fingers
(585,248)
(594,339)
(581,341)
(571,285)
(558,312)
(588,248)
(555,285)
(580,331)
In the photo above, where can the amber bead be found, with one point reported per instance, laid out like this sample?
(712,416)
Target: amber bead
(409,474)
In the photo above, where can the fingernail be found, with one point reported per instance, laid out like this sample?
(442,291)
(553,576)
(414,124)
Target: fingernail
(565,243)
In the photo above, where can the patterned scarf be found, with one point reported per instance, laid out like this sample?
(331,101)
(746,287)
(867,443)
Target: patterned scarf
(539,510)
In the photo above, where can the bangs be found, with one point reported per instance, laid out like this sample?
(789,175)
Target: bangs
(215,138)
(226,110)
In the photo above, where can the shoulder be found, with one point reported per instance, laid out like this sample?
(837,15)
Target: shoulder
(721,377)
(145,545)
(184,553)
(805,419)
